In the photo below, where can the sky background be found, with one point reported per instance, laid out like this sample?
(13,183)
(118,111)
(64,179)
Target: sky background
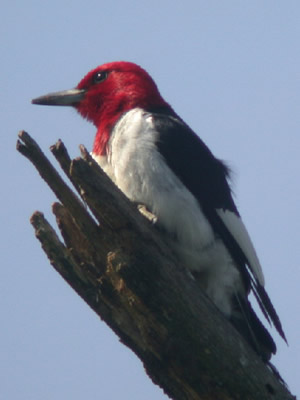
(231,70)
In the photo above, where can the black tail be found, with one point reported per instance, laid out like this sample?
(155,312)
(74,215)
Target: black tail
(247,323)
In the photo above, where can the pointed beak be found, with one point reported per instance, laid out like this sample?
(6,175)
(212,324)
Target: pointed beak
(65,98)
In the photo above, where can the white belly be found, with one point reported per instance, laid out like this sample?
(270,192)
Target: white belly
(139,170)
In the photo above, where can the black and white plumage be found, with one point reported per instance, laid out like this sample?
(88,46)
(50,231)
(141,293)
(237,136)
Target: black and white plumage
(158,161)
(210,237)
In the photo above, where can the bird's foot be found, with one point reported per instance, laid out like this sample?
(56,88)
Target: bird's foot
(147,214)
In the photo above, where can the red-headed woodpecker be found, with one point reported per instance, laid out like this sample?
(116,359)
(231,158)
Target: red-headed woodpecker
(156,159)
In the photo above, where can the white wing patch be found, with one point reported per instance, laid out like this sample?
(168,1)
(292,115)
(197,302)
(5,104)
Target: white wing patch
(239,232)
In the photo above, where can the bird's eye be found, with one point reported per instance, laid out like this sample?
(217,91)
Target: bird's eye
(100,76)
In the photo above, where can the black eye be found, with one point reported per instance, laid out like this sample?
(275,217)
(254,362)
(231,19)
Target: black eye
(100,76)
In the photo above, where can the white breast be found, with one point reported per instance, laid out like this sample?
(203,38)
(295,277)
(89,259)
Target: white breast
(140,171)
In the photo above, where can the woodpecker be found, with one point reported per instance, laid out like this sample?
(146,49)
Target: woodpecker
(157,160)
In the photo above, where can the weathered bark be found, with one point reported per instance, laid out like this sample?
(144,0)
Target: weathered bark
(118,263)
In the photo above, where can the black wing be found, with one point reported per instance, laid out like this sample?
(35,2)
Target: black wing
(206,177)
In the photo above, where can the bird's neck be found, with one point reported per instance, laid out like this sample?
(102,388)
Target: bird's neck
(111,115)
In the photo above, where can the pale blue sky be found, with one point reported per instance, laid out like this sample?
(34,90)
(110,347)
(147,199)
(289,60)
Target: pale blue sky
(232,71)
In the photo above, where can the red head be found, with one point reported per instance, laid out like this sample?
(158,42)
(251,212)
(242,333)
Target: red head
(105,93)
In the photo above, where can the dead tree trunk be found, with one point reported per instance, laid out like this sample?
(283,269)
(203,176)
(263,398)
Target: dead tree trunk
(118,263)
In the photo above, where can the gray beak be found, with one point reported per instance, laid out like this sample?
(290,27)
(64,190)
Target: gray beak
(64,98)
